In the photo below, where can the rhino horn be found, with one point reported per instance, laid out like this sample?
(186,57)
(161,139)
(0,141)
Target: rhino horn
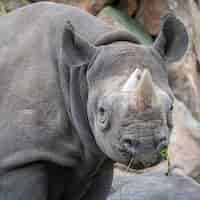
(132,81)
(145,93)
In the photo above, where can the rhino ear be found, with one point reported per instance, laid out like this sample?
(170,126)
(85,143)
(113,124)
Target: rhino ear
(75,51)
(172,41)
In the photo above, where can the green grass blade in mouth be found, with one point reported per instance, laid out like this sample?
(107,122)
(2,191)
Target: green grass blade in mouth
(164,154)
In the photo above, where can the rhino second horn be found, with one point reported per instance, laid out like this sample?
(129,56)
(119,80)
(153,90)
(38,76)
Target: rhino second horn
(145,94)
(132,81)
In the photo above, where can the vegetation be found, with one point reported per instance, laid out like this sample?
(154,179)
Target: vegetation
(164,154)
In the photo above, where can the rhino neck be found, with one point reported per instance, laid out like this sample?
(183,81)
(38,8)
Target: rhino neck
(77,111)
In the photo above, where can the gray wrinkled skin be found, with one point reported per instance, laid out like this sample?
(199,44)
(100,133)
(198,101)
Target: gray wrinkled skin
(154,187)
(59,67)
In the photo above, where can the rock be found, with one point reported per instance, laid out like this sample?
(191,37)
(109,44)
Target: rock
(95,6)
(120,20)
(184,147)
(128,6)
(9,5)
(184,80)
(184,77)
(154,186)
(150,12)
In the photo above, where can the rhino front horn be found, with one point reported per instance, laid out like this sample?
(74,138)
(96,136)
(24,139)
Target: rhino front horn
(133,80)
(145,94)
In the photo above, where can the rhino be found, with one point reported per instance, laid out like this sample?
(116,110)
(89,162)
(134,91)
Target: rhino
(184,145)
(77,96)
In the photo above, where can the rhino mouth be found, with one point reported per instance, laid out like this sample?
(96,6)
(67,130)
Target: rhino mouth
(138,142)
(138,158)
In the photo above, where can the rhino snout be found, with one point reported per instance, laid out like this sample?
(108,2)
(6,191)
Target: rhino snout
(129,144)
(132,145)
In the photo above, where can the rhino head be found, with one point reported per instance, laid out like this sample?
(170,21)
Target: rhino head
(128,99)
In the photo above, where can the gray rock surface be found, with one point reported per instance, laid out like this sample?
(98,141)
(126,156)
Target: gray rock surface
(154,186)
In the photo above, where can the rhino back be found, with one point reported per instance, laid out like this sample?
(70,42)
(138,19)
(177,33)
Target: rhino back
(51,14)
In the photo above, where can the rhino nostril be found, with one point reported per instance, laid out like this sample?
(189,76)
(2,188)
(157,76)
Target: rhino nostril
(162,145)
(130,143)
(127,143)
(159,140)
(163,139)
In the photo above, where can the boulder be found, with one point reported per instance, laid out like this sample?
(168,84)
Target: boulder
(121,20)
(184,147)
(95,6)
(150,12)
(154,186)
(128,6)
(184,76)
(8,5)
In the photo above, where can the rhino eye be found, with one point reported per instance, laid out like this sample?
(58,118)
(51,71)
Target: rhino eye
(103,118)
(102,111)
